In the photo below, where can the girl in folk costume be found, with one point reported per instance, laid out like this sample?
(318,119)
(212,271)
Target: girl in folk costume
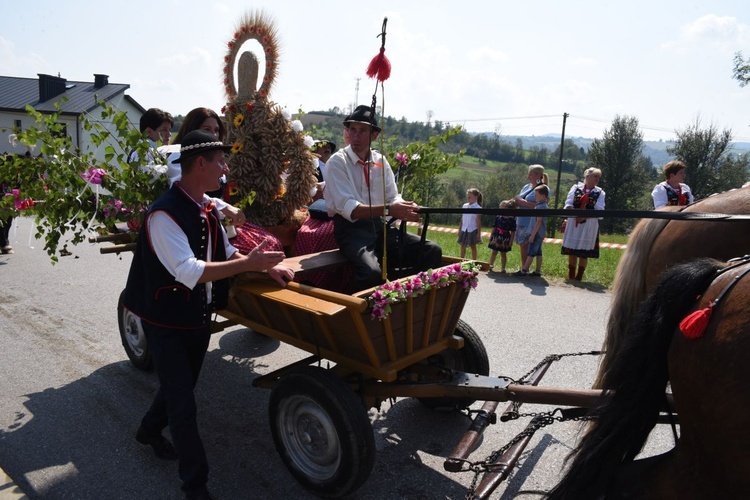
(581,238)
(673,191)
(501,239)
(470,229)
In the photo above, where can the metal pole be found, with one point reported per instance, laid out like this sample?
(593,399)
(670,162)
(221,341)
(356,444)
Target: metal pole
(559,170)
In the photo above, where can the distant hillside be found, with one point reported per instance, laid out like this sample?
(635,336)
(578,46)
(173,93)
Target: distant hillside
(656,150)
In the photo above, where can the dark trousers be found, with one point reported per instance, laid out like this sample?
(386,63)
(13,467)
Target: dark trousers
(5,231)
(178,357)
(361,242)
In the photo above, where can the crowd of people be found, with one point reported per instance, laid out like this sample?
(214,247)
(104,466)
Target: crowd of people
(580,234)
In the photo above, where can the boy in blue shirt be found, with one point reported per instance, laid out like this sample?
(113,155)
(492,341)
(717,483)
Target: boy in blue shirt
(537,230)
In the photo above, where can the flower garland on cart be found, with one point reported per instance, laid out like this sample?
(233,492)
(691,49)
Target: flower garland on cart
(271,158)
(394,292)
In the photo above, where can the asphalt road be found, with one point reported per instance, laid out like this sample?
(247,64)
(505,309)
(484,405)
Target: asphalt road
(70,401)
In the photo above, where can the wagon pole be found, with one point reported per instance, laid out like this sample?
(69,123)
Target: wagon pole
(483,419)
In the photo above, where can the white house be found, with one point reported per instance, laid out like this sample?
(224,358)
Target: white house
(42,94)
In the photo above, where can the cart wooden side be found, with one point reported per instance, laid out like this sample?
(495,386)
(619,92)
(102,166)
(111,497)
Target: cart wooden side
(338,327)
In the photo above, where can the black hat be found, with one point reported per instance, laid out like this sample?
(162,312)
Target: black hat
(199,141)
(363,114)
(319,143)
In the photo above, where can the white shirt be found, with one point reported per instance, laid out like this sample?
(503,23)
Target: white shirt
(659,194)
(346,187)
(172,248)
(580,185)
(469,221)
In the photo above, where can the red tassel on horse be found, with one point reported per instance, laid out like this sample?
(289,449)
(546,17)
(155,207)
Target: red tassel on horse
(695,323)
(380,66)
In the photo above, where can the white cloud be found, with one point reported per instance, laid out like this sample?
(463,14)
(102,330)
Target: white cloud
(484,54)
(583,61)
(724,33)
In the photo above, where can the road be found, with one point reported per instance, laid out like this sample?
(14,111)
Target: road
(70,401)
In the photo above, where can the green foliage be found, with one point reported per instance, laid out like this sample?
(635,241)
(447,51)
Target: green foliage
(624,175)
(741,69)
(418,164)
(74,192)
(710,168)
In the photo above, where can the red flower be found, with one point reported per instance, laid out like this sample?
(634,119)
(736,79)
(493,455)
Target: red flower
(249,106)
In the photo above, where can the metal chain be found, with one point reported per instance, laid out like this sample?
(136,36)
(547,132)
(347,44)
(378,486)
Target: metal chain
(539,421)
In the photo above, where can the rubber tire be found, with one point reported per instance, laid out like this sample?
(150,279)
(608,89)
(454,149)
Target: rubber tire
(472,358)
(133,338)
(311,398)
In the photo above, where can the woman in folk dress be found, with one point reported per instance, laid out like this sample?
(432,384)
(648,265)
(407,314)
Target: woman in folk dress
(581,238)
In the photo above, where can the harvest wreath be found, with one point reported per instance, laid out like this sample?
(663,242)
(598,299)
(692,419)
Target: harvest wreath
(272,158)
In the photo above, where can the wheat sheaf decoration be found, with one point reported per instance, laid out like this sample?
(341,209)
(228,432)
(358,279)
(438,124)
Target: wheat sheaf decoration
(270,157)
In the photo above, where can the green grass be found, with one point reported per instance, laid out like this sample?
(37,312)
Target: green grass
(599,272)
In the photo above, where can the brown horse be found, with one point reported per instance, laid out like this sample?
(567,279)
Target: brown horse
(657,244)
(708,376)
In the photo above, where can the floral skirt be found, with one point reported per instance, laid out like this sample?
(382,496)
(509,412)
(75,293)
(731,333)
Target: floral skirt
(500,240)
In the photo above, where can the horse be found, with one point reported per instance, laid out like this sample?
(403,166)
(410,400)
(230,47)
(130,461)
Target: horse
(707,373)
(656,244)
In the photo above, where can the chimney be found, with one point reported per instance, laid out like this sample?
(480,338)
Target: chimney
(50,86)
(100,81)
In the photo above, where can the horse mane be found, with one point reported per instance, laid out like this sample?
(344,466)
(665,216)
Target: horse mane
(638,377)
(629,290)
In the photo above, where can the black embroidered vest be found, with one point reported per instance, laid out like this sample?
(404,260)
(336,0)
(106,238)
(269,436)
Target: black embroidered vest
(152,292)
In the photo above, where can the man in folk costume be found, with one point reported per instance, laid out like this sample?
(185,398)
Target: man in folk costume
(177,279)
(358,200)
(673,191)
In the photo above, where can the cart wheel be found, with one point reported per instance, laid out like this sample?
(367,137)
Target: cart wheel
(471,359)
(133,337)
(322,432)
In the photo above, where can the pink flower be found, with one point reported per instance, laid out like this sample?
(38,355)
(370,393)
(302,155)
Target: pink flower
(94,175)
(402,159)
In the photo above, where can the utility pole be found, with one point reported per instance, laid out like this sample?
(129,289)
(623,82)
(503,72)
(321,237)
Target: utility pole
(356,92)
(559,169)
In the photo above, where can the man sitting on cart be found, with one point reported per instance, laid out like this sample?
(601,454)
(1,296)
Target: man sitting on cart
(177,279)
(355,199)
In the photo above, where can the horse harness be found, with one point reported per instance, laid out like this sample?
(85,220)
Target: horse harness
(694,325)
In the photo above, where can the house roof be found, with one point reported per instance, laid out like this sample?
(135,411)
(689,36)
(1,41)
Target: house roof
(16,93)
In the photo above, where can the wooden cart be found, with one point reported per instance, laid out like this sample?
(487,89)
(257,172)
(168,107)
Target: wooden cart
(318,416)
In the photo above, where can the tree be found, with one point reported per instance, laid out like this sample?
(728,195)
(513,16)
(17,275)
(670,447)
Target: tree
(619,154)
(741,69)
(710,168)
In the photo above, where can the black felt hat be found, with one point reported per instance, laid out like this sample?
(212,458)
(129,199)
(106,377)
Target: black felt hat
(363,114)
(199,141)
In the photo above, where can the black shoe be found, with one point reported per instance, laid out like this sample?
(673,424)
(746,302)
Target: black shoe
(201,494)
(162,447)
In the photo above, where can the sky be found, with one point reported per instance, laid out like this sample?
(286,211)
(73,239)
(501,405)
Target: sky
(510,67)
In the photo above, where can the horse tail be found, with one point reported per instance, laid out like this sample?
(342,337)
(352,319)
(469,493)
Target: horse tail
(629,290)
(638,376)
